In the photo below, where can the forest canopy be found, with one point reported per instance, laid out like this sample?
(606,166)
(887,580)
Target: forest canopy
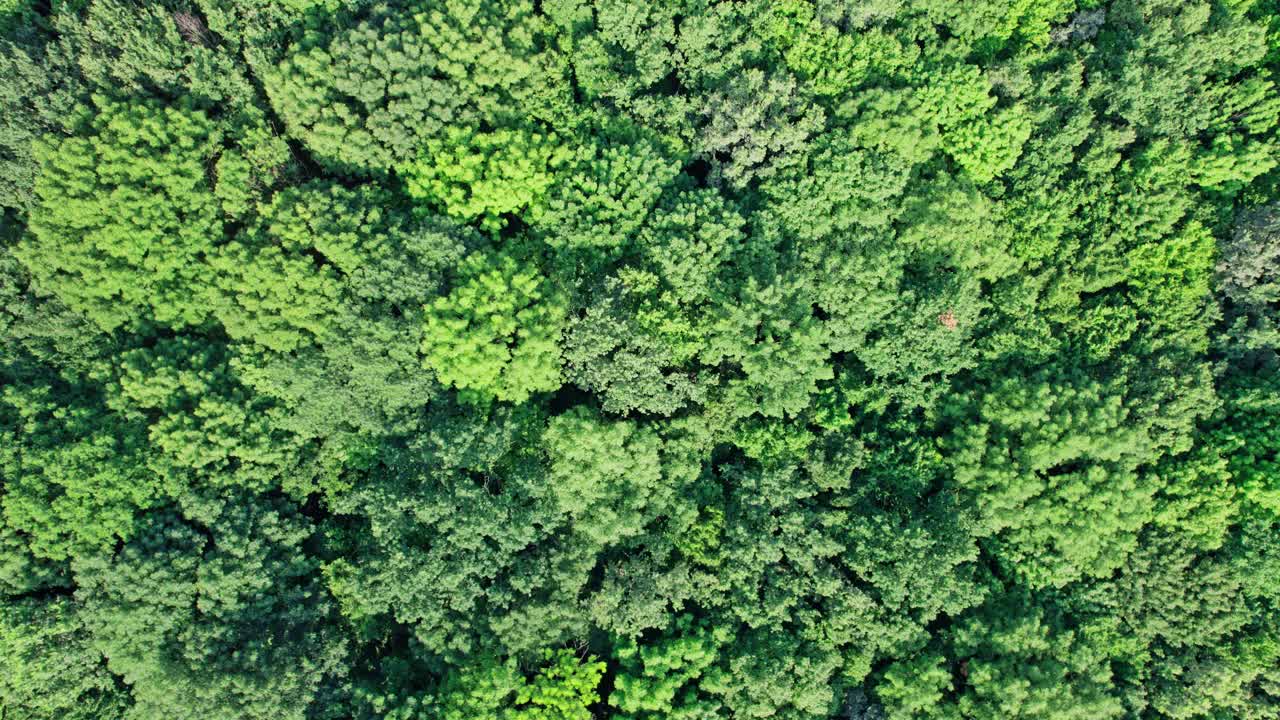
(620,360)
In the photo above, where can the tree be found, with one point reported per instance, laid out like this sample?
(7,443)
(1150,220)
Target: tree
(982,142)
(562,689)
(988,25)
(1172,76)
(844,187)
(51,669)
(605,475)
(604,194)
(662,679)
(621,349)
(23,123)
(915,687)
(125,215)
(1245,433)
(446,519)
(206,428)
(1246,278)
(1024,663)
(592,359)
(756,123)
(360,379)
(365,96)
(497,333)
(220,618)
(75,474)
(483,176)
(817,46)
(621,52)
(690,237)
(1035,447)
(772,334)
(767,675)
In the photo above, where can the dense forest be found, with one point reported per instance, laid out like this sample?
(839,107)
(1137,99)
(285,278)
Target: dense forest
(672,360)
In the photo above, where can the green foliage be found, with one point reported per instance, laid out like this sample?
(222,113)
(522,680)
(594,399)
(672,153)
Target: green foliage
(602,196)
(607,476)
(364,378)
(73,473)
(204,424)
(366,94)
(844,186)
(1247,279)
(622,349)
(914,687)
(660,680)
(1024,664)
(982,140)
(989,24)
(1012,660)
(271,290)
(756,122)
(125,214)
(13,12)
(588,359)
(51,669)
(1246,434)
(1174,78)
(772,335)
(484,176)
(223,620)
(562,689)
(22,122)
(1035,447)
(833,62)
(771,675)
(691,234)
(497,333)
